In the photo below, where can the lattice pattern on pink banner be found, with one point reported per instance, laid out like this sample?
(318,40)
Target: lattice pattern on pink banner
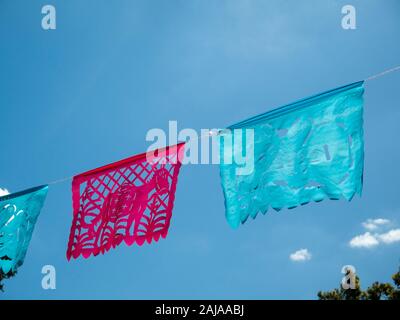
(130,200)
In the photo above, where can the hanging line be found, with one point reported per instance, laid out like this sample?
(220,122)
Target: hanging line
(383,73)
(218,131)
(60,180)
(210,133)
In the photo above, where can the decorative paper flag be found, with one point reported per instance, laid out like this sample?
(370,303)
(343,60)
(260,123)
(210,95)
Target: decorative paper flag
(305,151)
(18,214)
(130,200)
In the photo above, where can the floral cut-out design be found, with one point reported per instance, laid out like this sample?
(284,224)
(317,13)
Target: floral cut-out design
(130,200)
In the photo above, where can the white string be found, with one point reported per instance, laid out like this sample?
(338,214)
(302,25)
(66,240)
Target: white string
(60,180)
(383,73)
(210,133)
(216,133)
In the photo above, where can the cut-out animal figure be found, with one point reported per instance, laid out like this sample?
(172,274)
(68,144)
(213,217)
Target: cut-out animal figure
(128,212)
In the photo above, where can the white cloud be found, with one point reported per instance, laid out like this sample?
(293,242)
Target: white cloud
(373,224)
(3,192)
(365,240)
(300,255)
(390,236)
(369,240)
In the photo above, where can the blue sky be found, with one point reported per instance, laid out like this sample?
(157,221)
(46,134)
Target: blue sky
(86,94)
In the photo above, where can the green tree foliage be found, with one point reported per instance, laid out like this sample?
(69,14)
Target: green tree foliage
(377,291)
